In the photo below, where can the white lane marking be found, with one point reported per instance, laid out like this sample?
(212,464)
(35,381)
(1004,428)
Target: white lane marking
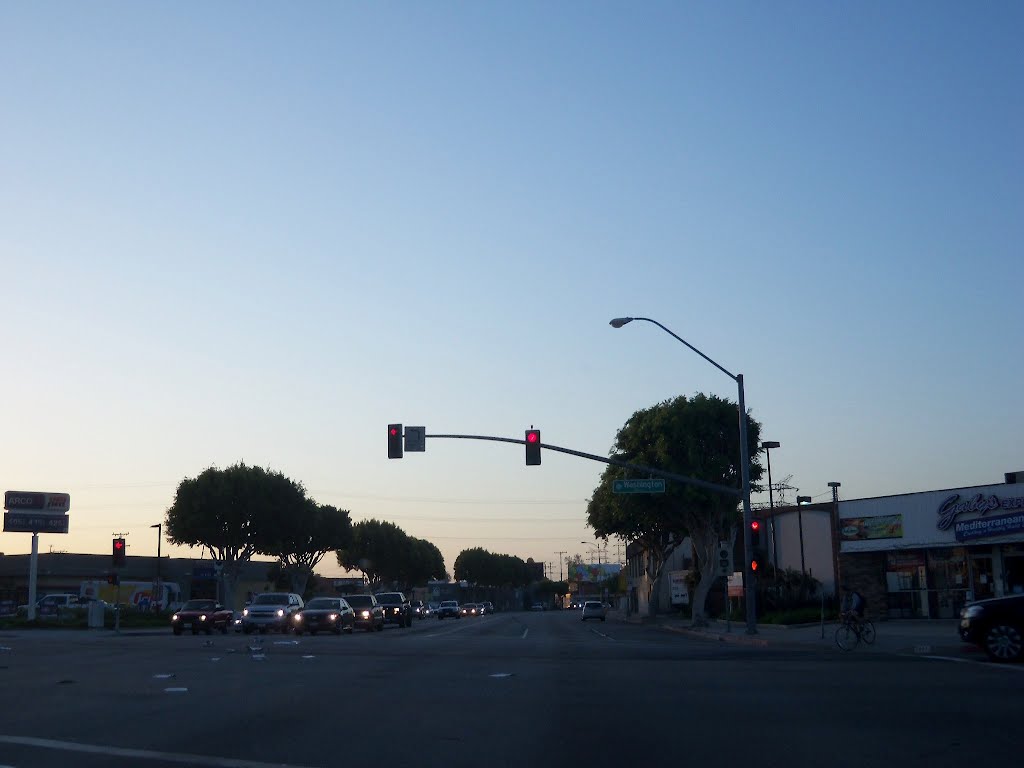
(501,674)
(286,642)
(526,632)
(166,676)
(309,657)
(602,634)
(175,690)
(215,658)
(143,754)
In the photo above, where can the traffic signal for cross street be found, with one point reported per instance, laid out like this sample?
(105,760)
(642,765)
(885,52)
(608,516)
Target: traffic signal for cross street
(757,558)
(394,441)
(113,579)
(532,447)
(118,554)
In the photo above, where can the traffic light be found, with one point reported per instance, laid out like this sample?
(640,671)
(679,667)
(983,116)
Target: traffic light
(757,558)
(119,553)
(113,579)
(755,533)
(394,441)
(532,447)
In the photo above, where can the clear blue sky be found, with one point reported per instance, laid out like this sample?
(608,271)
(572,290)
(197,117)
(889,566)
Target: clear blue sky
(262,231)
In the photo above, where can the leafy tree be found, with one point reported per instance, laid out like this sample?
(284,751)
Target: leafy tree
(377,548)
(316,530)
(697,437)
(488,569)
(235,513)
(423,563)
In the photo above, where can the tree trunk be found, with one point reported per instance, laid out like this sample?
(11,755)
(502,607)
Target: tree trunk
(705,542)
(299,579)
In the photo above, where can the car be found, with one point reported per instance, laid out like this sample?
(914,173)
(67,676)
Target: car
(486,608)
(593,609)
(397,609)
(997,625)
(419,609)
(201,616)
(271,610)
(469,609)
(50,606)
(369,614)
(538,607)
(448,609)
(331,614)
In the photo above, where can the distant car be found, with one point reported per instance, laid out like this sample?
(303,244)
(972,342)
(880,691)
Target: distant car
(418,609)
(330,614)
(49,606)
(397,609)
(448,609)
(997,625)
(469,609)
(271,610)
(593,609)
(201,616)
(486,608)
(369,614)
(538,607)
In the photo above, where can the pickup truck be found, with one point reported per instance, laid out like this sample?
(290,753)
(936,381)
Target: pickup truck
(397,609)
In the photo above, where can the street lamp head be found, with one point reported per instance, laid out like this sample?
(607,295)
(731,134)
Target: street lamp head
(770,444)
(834,484)
(618,322)
(156,525)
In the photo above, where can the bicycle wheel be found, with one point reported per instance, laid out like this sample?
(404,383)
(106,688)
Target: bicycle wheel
(867,632)
(846,638)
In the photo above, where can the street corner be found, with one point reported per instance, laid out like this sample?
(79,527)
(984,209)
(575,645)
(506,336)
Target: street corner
(717,636)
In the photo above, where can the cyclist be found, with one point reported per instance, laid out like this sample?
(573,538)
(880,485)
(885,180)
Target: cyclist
(852,606)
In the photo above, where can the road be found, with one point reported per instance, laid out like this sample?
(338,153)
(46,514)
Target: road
(514,689)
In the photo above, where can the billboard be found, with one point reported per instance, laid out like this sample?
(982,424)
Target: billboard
(592,572)
(879,527)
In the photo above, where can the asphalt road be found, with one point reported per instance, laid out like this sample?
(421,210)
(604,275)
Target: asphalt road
(514,689)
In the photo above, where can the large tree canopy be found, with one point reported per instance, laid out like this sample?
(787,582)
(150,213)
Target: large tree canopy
(303,542)
(235,513)
(697,437)
(387,554)
(488,569)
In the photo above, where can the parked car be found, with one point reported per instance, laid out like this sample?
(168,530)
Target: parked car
(331,614)
(997,625)
(49,606)
(486,608)
(397,609)
(271,610)
(201,616)
(369,614)
(419,609)
(594,609)
(448,609)
(538,607)
(469,609)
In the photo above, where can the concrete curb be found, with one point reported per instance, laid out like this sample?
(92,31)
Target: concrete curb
(715,636)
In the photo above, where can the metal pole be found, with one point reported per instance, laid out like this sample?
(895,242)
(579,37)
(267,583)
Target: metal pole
(800,523)
(771,507)
(33,573)
(747,516)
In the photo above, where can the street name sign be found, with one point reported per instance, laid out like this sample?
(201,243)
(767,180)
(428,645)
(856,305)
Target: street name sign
(638,486)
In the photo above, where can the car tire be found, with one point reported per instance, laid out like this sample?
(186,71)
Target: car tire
(176,630)
(246,629)
(1004,642)
(349,629)
(336,630)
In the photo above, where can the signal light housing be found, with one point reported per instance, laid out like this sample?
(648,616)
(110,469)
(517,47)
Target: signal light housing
(532,447)
(119,555)
(395,441)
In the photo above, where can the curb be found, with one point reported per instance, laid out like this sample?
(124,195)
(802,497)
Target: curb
(721,638)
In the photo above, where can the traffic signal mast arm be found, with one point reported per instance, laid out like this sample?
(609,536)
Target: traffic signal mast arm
(604,459)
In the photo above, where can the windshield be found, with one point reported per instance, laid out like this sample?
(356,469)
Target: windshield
(390,597)
(274,599)
(199,605)
(359,601)
(324,603)
(449,604)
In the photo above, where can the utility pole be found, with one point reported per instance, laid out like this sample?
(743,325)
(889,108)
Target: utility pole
(117,606)
(561,564)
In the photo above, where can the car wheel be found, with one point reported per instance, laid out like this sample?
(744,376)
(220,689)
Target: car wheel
(380,627)
(176,630)
(1003,642)
(348,629)
(336,630)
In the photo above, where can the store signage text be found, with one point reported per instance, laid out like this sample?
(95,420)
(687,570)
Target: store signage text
(980,504)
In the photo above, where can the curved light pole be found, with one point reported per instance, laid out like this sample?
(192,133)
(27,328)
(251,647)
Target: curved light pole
(748,575)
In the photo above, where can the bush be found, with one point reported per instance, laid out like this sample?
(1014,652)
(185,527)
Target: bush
(806,615)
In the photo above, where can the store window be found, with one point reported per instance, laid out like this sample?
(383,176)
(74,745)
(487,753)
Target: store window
(1013,569)
(907,584)
(982,584)
(948,582)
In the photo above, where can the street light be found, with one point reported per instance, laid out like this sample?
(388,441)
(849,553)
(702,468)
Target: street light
(768,445)
(156,583)
(748,579)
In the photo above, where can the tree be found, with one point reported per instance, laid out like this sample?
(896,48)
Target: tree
(423,563)
(311,534)
(235,513)
(376,548)
(487,569)
(697,437)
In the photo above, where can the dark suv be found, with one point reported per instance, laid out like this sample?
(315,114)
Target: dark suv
(997,625)
(397,609)
(369,613)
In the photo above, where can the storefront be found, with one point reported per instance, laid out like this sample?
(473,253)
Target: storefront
(923,555)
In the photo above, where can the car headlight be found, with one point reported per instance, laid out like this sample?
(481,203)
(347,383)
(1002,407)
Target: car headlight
(365,614)
(245,611)
(280,612)
(333,617)
(297,617)
(973,611)
(174,617)
(202,617)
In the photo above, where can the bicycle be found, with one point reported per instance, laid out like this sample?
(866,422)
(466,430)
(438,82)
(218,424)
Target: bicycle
(852,631)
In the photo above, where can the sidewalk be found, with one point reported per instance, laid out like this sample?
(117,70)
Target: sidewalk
(928,637)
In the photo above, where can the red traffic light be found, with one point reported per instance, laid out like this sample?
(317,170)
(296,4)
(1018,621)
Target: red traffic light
(118,543)
(755,525)
(532,437)
(532,447)
(395,445)
(754,565)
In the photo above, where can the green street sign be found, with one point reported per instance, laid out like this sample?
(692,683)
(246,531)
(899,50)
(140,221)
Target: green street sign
(638,486)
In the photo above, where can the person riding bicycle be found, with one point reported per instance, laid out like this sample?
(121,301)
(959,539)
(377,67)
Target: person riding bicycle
(853,605)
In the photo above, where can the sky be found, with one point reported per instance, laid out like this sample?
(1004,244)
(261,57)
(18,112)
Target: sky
(261,232)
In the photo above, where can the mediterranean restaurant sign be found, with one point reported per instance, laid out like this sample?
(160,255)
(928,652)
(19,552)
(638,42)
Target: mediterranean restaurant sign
(984,525)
